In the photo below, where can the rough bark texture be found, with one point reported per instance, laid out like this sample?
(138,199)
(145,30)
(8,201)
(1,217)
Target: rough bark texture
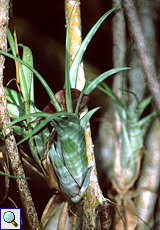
(9,139)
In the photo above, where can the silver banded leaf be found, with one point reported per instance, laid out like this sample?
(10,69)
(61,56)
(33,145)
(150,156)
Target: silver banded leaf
(69,157)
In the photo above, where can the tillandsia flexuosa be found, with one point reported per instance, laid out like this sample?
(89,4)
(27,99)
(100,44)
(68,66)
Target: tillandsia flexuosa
(67,154)
(130,143)
(129,150)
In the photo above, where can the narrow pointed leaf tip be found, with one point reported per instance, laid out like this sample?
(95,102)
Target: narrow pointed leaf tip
(87,117)
(101,78)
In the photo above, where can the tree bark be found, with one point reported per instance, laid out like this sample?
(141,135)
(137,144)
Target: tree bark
(8,136)
(146,61)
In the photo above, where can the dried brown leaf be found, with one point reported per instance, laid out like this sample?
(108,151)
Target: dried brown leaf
(50,177)
(61,98)
(75,93)
(63,217)
(51,208)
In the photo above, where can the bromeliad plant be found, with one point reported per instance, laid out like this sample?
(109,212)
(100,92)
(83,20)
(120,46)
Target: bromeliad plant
(67,154)
(131,138)
(128,153)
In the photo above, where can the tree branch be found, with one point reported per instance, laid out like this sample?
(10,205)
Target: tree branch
(94,201)
(146,60)
(8,136)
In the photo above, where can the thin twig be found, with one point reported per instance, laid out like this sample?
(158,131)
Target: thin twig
(119,50)
(119,46)
(8,136)
(145,59)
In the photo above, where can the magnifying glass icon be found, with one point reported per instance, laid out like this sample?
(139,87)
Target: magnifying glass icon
(9,217)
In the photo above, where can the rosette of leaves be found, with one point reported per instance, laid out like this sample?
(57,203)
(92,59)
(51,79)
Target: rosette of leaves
(129,150)
(130,141)
(62,160)
(72,171)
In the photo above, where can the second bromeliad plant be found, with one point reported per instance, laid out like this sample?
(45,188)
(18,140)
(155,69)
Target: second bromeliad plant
(129,148)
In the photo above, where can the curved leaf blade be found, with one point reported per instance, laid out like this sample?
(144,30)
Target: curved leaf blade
(101,77)
(40,78)
(87,116)
(76,62)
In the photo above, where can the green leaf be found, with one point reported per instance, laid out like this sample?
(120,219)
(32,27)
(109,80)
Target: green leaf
(13,97)
(67,78)
(40,78)
(80,97)
(16,177)
(101,77)
(20,131)
(28,74)
(76,62)
(22,79)
(11,42)
(48,117)
(141,106)
(145,122)
(117,102)
(15,111)
(87,116)
(69,157)
(67,181)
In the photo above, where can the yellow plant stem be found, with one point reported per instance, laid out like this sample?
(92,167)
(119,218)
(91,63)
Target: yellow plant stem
(94,195)
(75,38)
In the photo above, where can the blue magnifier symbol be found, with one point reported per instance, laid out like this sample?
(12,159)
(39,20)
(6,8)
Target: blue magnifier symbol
(9,217)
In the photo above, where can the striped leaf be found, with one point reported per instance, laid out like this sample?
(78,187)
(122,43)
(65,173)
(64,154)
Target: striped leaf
(131,137)
(69,157)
